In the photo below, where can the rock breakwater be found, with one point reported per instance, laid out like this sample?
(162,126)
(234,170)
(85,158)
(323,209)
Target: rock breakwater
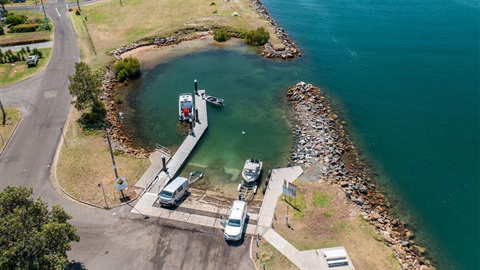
(322,146)
(290,50)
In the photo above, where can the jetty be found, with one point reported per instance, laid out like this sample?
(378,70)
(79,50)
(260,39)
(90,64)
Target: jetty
(156,176)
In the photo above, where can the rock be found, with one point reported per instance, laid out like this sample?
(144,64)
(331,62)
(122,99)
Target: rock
(399,250)
(387,237)
(405,243)
(358,201)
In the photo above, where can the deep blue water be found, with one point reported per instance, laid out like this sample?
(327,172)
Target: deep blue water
(406,76)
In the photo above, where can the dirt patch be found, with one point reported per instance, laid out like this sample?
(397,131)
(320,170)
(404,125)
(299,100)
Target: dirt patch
(16,68)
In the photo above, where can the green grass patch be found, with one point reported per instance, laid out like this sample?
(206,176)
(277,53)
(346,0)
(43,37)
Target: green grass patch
(341,226)
(12,118)
(328,214)
(17,71)
(320,199)
(298,205)
(271,258)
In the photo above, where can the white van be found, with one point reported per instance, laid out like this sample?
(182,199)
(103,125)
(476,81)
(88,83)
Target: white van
(236,221)
(174,191)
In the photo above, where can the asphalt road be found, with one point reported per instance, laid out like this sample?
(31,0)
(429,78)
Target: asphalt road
(114,239)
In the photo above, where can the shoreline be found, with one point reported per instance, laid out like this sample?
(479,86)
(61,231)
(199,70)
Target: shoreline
(322,146)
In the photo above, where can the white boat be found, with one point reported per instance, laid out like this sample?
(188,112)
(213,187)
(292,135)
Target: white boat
(185,108)
(213,100)
(252,169)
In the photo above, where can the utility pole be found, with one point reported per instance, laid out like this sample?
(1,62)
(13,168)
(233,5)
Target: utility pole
(111,154)
(78,5)
(45,14)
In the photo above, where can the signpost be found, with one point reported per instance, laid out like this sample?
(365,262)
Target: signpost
(290,190)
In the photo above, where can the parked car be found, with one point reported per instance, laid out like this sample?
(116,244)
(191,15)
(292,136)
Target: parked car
(172,193)
(236,221)
(32,60)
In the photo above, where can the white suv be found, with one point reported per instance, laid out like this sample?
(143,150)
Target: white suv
(236,221)
(32,60)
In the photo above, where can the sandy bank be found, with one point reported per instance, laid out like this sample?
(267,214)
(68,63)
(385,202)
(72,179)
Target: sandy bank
(152,55)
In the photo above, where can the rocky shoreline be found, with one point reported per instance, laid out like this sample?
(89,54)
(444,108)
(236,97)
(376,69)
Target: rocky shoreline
(322,146)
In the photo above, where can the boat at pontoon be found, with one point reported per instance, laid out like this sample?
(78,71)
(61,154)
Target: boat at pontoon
(251,170)
(185,108)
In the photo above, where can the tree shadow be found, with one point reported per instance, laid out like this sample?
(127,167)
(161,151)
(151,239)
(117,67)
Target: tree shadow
(73,265)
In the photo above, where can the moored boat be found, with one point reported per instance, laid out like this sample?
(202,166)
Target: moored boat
(251,170)
(185,108)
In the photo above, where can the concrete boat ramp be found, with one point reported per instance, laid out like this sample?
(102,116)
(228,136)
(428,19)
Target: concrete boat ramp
(197,211)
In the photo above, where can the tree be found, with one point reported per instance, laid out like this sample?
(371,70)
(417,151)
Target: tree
(31,236)
(84,85)
(126,68)
(257,37)
(220,35)
(3,2)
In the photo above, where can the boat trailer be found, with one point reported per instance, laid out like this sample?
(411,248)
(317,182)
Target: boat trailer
(247,191)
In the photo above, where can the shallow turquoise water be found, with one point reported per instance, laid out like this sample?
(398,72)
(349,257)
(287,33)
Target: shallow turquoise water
(406,74)
(253,105)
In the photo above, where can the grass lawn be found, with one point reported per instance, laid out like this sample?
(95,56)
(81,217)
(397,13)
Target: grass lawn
(12,119)
(270,257)
(320,218)
(17,71)
(86,161)
(111,25)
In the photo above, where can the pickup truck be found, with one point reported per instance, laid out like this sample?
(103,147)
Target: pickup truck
(236,221)
(32,60)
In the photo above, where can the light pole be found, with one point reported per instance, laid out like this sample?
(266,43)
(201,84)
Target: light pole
(107,134)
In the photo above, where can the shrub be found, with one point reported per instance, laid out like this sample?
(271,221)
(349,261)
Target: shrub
(13,19)
(118,99)
(2,32)
(22,28)
(221,35)
(257,37)
(35,51)
(126,68)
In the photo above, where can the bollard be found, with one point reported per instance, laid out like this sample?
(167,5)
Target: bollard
(264,266)
(196,115)
(256,253)
(196,86)
(257,243)
(259,238)
(164,166)
(191,128)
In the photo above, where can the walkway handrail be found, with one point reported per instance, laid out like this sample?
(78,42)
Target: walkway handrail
(163,149)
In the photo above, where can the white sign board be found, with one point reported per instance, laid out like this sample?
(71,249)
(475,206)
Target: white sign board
(121,183)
